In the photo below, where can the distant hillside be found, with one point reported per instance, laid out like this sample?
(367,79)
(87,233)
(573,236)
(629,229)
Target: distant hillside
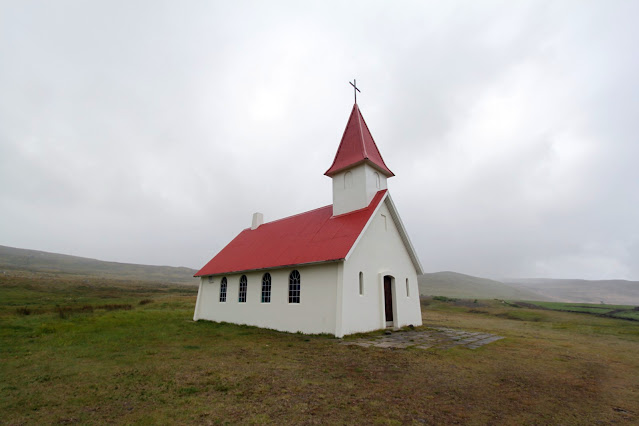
(453,284)
(40,261)
(616,292)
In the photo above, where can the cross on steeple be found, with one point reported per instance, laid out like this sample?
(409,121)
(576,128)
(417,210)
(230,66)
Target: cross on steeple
(354,84)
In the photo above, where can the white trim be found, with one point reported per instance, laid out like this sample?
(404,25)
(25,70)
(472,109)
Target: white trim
(196,314)
(339,301)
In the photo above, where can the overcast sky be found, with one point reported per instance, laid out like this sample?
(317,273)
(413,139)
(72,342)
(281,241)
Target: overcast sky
(149,132)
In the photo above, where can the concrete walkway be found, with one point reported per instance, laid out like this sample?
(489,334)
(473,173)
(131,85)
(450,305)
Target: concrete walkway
(433,337)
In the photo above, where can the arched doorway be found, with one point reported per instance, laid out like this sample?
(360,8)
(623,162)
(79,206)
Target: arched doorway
(388,300)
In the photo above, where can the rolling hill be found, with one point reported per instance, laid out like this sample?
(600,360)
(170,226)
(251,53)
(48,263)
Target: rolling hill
(40,261)
(453,284)
(616,292)
(449,284)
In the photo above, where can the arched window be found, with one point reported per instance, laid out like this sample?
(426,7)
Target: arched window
(361,283)
(223,290)
(348,180)
(294,281)
(407,289)
(377,184)
(266,288)
(242,293)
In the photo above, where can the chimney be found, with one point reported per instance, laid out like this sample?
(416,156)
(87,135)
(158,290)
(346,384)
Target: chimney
(258,219)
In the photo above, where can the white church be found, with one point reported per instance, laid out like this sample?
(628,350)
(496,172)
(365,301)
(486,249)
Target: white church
(340,269)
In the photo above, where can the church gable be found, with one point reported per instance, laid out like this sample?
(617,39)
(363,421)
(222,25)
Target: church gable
(381,254)
(386,216)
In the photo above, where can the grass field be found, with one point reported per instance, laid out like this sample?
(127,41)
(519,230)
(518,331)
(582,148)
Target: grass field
(614,311)
(149,363)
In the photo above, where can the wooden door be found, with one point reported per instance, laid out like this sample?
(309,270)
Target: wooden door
(388,298)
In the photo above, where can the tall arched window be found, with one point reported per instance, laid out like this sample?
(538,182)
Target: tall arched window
(266,288)
(294,281)
(407,288)
(223,290)
(377,184)
(361,283)
(242,293)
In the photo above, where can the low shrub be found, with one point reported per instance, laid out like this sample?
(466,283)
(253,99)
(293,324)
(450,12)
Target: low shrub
(115,307)
(23,311)
(63,311)
(444,299)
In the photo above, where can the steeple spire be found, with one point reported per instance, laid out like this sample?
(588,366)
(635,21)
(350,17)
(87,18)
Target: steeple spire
(357,146)
(358,171)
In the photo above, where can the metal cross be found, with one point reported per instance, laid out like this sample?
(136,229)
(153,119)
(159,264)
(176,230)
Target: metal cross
(354,84)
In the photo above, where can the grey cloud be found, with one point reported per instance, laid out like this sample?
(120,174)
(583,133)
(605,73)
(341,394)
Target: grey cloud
(149,133)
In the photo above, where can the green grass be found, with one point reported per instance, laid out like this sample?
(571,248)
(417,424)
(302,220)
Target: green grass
(633,315)
(152,364)
(614,311)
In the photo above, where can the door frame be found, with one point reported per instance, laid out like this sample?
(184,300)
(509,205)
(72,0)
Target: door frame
(383,323)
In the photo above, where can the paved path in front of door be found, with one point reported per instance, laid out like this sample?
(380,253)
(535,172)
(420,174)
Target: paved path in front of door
(433,337)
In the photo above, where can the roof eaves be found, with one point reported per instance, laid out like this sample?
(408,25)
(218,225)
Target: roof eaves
(364,160)
(270,268)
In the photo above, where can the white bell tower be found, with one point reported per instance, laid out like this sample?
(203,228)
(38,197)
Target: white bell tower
(358,170)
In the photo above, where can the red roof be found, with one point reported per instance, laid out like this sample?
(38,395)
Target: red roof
(357,146)
(311,237)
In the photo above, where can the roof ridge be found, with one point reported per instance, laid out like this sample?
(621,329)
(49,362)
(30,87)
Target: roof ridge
(295,215)
(363,208)
(361,131)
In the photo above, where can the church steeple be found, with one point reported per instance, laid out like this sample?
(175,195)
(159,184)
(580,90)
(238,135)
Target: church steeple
(357,146)
(358,170)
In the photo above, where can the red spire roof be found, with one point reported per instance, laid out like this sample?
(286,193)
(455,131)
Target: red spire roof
(311,237)
(357,146)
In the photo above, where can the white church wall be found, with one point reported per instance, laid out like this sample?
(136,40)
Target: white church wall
(355,188)
(315,313)
(379,252)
